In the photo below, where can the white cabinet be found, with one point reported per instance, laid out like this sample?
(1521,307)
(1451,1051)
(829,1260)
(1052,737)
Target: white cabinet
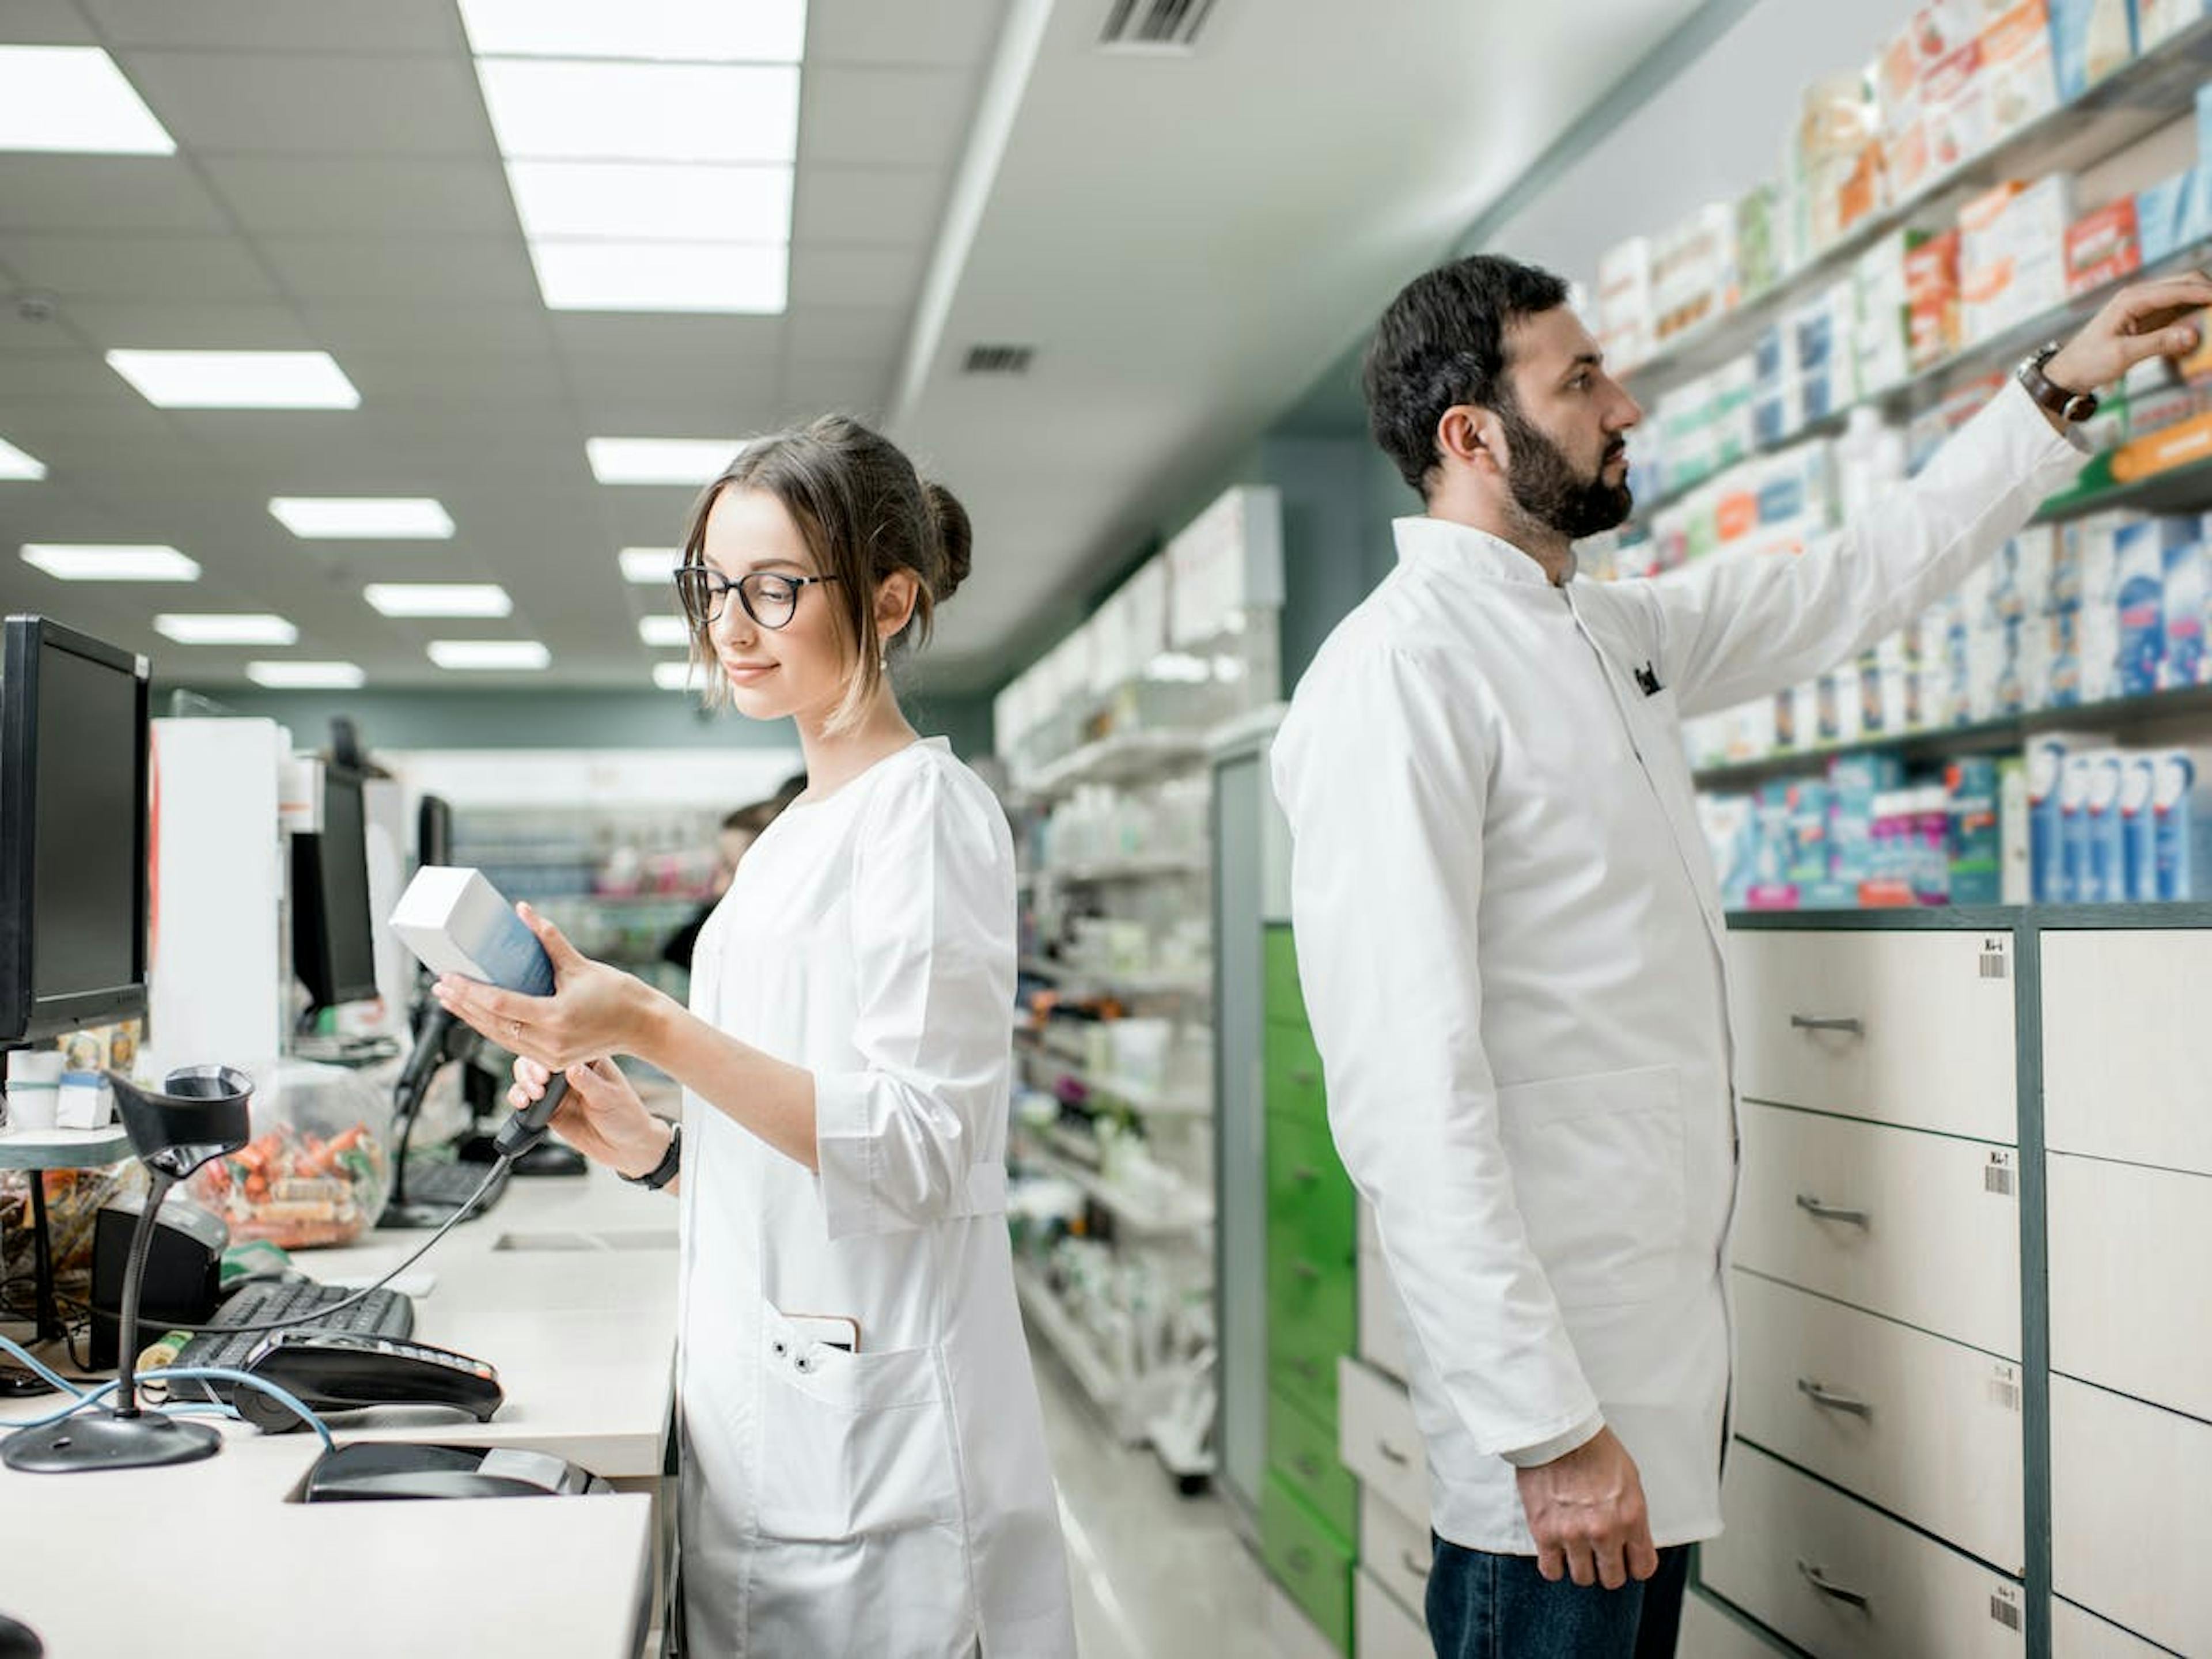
(1382,1628)
(1708,1632)
(1843,1581)
(1378,1439)
(2076,1634)
(1926,1428)
(1902,1027)
(1382,1331)
(1395,1548)
(1922,1228)
(2123,1071)
(2132,1513)
(2129,1247)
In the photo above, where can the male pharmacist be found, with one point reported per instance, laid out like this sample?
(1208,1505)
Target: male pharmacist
(1510,934)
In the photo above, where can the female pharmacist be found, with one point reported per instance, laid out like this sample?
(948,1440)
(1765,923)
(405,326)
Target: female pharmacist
(864,1465)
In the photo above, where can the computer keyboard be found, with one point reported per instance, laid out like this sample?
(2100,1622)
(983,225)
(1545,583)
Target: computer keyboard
(448,1186)
(381,1313)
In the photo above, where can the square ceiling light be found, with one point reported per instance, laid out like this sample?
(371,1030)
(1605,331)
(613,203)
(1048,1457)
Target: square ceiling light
(697,276)
(652,202)
(207,628)
(648,567)
(237,380)
(374,517)
(692,461)
(613,111)
(78,562)
(675,676)
(490,655)
(74,100)
(680,31)
(438,598)
(661,632)
(14,463)
(306,675)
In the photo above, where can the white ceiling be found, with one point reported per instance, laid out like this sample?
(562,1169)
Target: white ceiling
(1186,242)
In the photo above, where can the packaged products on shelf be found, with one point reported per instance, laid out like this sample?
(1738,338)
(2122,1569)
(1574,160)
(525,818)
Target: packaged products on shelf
(1693,271)
(1881,340)
(1954,102)
(2181,808)
(2074,784)
(1758,240)
(1976,845)
(2138,826)
(1625,303)
(2012,256)
(2182,663)
(2089,39)
(1837,157)
(2102,247)
(2142,551)
(1903,126)
(2104,875)
(2158,21)
(2172,215)
(1931,283)
(2013,832)
(2048,755)
(2021,83)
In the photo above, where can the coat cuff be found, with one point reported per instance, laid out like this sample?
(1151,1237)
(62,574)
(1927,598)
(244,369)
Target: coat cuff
(1550,1451)
(845,1148)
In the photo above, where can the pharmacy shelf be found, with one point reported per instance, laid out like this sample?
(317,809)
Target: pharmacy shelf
(1073,976)
(1145,1103)
(1140,1217)
(2127,105)
(1101,1381)
(2120,716)
(1117,870)
(1131,757)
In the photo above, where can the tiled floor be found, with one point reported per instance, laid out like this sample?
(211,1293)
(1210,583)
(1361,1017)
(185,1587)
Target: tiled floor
(1156,1574)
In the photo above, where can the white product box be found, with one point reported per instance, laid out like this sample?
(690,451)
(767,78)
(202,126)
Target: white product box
(457,922)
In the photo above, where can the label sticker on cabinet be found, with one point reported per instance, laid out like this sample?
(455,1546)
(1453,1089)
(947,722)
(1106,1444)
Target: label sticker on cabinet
(2004,1387)
(1998,1177)
(2004,1607)
(1996,957)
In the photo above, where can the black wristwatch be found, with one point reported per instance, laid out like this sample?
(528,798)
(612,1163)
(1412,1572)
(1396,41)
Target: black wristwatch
(2072,406)
(664,1171)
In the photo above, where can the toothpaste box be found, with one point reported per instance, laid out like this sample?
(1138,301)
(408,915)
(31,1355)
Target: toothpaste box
(2089,38)
(2182,663)
(2138,826)
(2104,880)
(2181,811)
(2046,760)
(456,923)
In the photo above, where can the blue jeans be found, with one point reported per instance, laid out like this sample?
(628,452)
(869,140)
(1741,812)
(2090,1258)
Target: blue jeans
(1498,1607)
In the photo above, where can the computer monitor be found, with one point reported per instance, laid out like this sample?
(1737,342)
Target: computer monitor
(433,830)
(333,948)
(74,877)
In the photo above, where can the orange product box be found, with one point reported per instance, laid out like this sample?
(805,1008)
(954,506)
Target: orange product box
(2102,247)
(1931,290)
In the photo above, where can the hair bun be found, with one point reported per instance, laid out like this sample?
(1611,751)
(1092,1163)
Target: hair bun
(955,541)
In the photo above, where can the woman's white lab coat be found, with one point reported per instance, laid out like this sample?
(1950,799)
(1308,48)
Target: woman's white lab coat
(896,1501)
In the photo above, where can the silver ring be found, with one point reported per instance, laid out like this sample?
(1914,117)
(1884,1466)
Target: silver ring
(514,1029)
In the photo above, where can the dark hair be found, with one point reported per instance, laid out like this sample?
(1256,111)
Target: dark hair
(1443,344)
(864,513)
(758,817)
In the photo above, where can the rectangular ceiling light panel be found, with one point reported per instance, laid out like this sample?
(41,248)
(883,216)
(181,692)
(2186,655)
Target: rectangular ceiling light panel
(438,598)
(208,628)
(237,380)
(375,518)
(74,100)
(674,31)
(692,461)
(77,562)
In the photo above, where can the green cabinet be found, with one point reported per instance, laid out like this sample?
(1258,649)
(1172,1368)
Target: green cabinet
(1293,1075)
(1285,997)
(1309,1558)
(1302,1450)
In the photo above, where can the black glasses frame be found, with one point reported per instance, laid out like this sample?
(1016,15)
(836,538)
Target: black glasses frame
(703,593)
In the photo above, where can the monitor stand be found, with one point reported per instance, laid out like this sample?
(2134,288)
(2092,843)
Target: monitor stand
(18,1381)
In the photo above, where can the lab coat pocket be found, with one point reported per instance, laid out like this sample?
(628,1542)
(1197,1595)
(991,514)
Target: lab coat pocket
(1600,1169)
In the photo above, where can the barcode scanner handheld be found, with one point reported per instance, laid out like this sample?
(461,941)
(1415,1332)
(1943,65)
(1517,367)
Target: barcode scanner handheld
(457,922)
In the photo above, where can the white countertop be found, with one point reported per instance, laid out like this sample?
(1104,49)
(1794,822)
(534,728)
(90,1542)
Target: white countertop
(210,1557)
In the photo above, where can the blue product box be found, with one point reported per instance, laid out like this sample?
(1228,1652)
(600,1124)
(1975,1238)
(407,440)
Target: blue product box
(2181,808)
(1854,781)
(2172,215)
(1977,846)
(2138,826)
(2073,829)
(1809,834)
(2105,879)
(2141,552)
(2089,38)
(456,923)
(2182,662)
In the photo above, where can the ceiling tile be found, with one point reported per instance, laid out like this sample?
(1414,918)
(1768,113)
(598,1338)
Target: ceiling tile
(648,336)
(601,377)
(364,196)
(940,31)
(315,106)
(857,388)
(868,204)
(136,267)
(104,192)
(531,378)
(857,276)
(44,23)
(65,373)
(273,26)
(341,325)
(162,324)
(915,118)
(474,270)
(830,334)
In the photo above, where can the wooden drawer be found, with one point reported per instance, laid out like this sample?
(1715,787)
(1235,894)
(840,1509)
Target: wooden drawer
(1285,1001)
(1302,1452)
(2076,1634)
(2123,1021)
(1938,1245)
(1788,1533)
(1397,1550)
(1900,1027)
(1382,1331)
(1379,1441)
(1309,1561)
(2129,1247)
(1711,1631)
(1294,1085)
(1925,1428)
(1387,1629)
(2130,1511)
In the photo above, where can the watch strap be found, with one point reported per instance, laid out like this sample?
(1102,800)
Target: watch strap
(2067,405)
(664,1171)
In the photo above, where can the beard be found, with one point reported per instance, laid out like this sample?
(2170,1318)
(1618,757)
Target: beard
(1548,488)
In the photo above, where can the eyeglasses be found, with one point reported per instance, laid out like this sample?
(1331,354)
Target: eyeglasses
(769,596)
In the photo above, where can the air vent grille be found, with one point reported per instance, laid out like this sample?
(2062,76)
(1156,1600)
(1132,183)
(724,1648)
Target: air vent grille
(998,360)
(1154,26)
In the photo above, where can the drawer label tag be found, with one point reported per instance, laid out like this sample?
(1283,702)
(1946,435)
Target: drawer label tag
(2004,1387)
(1998,1178)
(2004,1607)
(1996,959)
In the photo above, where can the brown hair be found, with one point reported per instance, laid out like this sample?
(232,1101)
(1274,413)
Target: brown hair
(755,817)
(864,513)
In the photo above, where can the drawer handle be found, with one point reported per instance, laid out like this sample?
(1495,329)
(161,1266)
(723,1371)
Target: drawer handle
(1827,1587)
(1392,1453)
(1306,1367)
(1307,1466)
(1851,1023)
(1834,1401)
(1305,1175)
(1820,1211)
(1412,1564)
(1301,1560)
(1306,1270)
